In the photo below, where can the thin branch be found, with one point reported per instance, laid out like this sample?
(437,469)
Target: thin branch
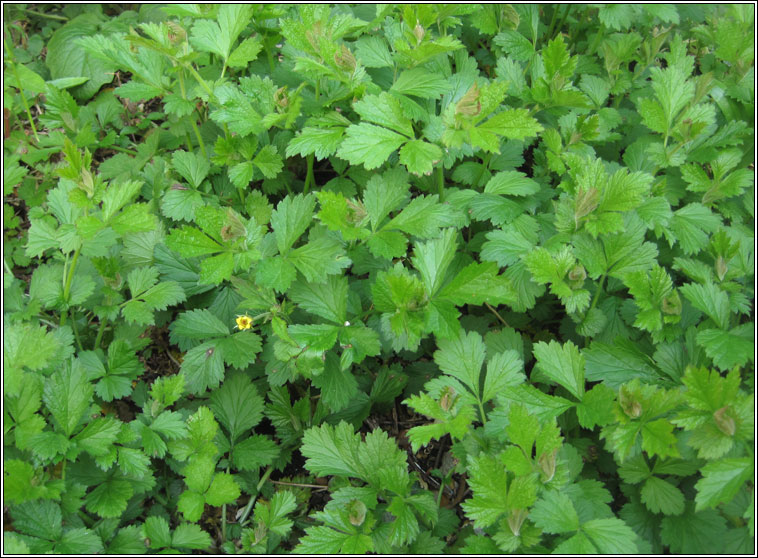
(302,485)
(499,317)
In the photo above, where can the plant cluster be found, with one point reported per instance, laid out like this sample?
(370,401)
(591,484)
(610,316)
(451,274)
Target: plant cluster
(392,279)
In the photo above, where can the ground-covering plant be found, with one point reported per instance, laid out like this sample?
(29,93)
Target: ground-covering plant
(393,279)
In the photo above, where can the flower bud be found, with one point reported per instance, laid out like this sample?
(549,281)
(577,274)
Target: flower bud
(344,59)
(419,32)
(357,512)
(724,421)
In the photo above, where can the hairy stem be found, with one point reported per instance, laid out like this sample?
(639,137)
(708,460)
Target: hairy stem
(441,182)
(309,180)
(100,331)
(249,506)
(69,279)
(21,90)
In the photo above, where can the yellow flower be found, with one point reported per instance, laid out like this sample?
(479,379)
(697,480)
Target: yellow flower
(244,322)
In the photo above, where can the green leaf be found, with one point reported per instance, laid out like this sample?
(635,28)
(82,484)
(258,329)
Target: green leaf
(369,145)
(515,44)
(383,109)
(504,370)
(67,58)
(554,513)
(191,505)
(562,364)
(110,498)
(694,532)
(373,52)
(478,283)
(423,217)
(179,203)
(710,299)
(324,540)
(728,348)
(419,157)
(98,436)
(188,535)
(275,273)
(433,258)
(691,225)
(41,518)
(611,536)
(321,142)
(291,218)
(328,300)
(79,541)
(254,452)
(268,161)
(721,481)
(190,242)
(203,368)
(338,387)
(196,324)
(420,83)
(157,531)
(274,513)
(662,497)
(216,269)
(658,438)
(462,358)
(331,450)
(511,124)
(385,193)
(245,52)
(618,363)
(223,490)
(237,405)
(192,167)
(67,395)
(319,258)
(511,183)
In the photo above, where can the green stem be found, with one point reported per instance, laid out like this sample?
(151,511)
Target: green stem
(76,333)
(485,167)
(192,121)
(249,506)
(481,411)
(309,175)
(200,80)
(553,19)
(48,16)
(199,138)
(223,510)
(69,279)
(441,182)
(270,57)
(21,90)
(122,150)
(563,19)
(100,331)
(597,293)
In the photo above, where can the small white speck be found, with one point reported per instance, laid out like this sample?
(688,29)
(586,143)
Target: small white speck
(347,323)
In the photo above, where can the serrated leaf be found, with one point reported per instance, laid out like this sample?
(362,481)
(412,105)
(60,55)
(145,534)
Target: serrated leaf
(369,145)
(237,405)
(554,513)
(420,83)
(721,481)
(419,157)
(662,497)
(563,364)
